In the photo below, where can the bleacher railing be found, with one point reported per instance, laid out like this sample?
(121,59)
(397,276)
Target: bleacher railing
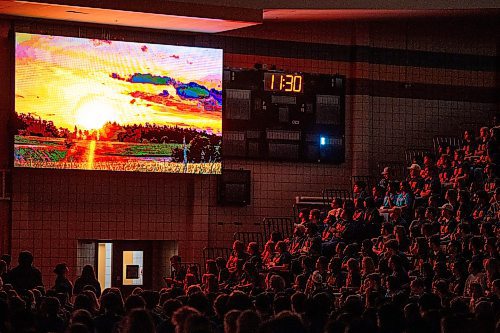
(284,225)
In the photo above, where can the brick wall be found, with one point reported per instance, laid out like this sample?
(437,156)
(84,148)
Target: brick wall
(52,210)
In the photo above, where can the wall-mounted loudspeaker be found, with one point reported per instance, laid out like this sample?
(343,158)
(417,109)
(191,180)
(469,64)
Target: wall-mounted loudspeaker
(233,188)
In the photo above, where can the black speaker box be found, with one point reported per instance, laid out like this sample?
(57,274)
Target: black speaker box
(233,188)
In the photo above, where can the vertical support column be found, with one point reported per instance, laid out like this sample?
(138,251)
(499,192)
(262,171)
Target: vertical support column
(497,72)
(6,141)
(359,101)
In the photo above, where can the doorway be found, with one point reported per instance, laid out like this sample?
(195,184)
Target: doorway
(125,265)
(132,265)
(128,264)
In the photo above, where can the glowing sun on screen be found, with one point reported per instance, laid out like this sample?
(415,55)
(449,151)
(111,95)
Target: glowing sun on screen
(94,112)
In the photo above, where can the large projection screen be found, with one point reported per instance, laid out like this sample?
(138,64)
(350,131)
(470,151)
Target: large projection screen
(94,104)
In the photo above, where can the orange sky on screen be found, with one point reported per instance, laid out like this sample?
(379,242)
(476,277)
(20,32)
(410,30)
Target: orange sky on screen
(68,81)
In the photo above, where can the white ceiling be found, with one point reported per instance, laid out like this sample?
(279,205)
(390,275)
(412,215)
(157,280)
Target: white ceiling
(163,21)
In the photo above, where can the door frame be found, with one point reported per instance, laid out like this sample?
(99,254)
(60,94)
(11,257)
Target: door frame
(117,263)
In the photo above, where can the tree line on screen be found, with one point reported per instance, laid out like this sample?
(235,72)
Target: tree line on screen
(191,145)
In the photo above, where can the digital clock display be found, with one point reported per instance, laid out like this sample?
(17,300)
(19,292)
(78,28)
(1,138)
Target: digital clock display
(283,82)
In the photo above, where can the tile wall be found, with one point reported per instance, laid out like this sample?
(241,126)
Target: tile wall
(52,210)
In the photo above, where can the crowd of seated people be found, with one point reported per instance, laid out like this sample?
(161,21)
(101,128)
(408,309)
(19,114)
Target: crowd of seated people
(419,254)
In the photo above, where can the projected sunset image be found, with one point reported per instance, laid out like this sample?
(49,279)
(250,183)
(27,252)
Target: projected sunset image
(108,105)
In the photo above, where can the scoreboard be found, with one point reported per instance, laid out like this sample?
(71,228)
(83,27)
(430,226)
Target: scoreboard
(283,116)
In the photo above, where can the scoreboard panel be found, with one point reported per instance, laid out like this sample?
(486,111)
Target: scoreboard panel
(283,116)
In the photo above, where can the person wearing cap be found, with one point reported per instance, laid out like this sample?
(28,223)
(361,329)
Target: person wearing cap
(447,221)
(386,177)
(415,179)
(62,284)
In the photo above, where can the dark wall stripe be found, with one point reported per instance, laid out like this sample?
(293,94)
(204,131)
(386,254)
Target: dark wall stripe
(433,59)
(299,50)
(421,91)
(278,48)
(332,52)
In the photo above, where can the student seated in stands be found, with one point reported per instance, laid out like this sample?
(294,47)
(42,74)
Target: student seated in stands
(432,184)
(178,272)
(386,178)
(298,239)
(315,218)
(237,254)
(378,194)
(447,221)
(440,273)
(415,180)
(283,258)
(469,144)
(359,190)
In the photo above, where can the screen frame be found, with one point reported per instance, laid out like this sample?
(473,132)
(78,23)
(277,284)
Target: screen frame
(109,34)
